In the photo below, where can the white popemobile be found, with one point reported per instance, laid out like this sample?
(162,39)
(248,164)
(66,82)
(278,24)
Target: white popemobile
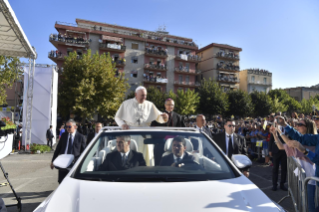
(155,169)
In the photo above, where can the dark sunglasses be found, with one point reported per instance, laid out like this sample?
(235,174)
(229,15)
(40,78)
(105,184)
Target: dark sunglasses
(300,125)
(68,127)
(231,125)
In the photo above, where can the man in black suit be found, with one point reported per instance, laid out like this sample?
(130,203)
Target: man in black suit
(230,142)
(98,127)
(201,125)
(71,142)
(49,136)
(123,157)
(179,156)
(174,119)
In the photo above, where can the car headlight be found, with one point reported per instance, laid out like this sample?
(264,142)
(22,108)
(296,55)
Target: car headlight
(280,208)
(43,206)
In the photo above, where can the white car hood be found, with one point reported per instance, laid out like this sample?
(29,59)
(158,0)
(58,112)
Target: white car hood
(238,194)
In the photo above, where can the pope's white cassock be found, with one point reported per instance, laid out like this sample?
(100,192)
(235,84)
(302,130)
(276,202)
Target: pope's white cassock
(136,114)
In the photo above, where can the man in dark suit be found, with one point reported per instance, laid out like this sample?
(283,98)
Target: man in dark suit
(71,142)
(49,136)
(179,156)
(174,119)
(201,125)
(98,127)
(123,157)
(230,142)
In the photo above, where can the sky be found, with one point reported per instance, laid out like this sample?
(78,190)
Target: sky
(279,36)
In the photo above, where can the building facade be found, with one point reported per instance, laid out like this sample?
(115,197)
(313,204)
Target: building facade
(300,93)
(146,58)
(255,80)
(221,63)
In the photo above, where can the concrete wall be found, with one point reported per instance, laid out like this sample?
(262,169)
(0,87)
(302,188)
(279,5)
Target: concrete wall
(170,62)
(243,84)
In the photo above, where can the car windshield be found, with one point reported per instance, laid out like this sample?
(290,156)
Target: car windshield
(141,156)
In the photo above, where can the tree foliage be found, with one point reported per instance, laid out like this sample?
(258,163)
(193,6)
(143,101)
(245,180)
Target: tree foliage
(212,99)
(186,102)
(278,106)
(262,103)
(284,98)
(89,85)
(9,72)
(307,105)
(240,104)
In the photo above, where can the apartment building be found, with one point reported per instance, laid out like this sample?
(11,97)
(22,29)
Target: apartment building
(255,80)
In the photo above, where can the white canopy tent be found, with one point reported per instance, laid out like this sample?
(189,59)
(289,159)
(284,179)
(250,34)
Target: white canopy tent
(13,42)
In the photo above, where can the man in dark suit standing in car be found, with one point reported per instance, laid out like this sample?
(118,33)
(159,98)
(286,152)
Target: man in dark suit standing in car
(179,156)
(230,142)
(71,142)
(123,158)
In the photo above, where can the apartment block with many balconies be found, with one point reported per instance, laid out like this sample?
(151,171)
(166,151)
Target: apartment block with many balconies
(147,58)
(255,80)
(221,63)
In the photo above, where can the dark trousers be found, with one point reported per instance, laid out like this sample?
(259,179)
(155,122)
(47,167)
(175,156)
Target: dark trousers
(279,158)
(62,174)
(49,143)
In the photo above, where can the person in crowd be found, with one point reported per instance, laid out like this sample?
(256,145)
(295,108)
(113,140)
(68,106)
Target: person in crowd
(230,142)
(123,158)
(179,157)
(49,136)
(98,128)
(305,126)
(294,115)
(174,119)
(252,136)
(279,158)
(62,130)
(265,137)
(200,124)
(316,119)
(71,142)
(79,128)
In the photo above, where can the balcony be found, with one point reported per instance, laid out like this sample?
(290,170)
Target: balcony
(228,79)
(187,84)
(188,58)
(228,67)
(153,67)
(259,83)
(59,39)
(56,56)
(155,53)
(154,80)
(120,62)
(227,56)
(259,72)
(184,70)
(112,47)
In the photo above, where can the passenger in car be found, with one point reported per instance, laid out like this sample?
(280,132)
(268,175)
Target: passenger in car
(123,158)
(179,156)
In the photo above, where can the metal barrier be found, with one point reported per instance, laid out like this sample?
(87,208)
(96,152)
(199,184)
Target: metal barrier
(297,185)
(316,179)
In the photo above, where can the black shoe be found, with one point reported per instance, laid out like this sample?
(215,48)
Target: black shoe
(274,188)
(282,187)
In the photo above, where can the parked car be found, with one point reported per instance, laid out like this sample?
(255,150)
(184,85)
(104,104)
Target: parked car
(164,169)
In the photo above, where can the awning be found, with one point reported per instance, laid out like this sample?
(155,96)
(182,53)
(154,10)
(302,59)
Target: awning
(13,41)
(115,39)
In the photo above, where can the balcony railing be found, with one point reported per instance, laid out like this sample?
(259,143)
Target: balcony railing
(228,67)
(120,62)
(155,53)
(112,47)
(149,79)
(69,40)
(160,67)
(230,56)
(190,58)
(184,70)
(260,83)
(228,79)
(187,83)
(58,56)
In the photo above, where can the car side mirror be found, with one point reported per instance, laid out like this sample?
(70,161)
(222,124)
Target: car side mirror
(63,161)
(241,161)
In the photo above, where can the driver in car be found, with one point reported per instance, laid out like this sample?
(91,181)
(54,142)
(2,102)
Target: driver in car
(179,157)
(123,157)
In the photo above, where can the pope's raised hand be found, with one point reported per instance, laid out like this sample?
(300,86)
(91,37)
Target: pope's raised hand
(164,116)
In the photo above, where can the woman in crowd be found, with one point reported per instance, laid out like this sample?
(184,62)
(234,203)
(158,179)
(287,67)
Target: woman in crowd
(304,126)
(62,130)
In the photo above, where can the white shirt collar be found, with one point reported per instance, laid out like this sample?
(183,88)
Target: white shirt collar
(227,135)
(73,134)
(175,158)
(126,154)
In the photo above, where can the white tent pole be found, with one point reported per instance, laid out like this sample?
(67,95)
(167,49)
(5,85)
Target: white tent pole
(29,102)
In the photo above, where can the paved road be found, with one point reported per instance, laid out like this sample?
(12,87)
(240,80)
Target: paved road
(33,180)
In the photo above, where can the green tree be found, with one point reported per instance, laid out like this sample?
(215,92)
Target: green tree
(9,73)
(262,103)
(286,99)
(212,99)
(186,102)
(89,85)
(157,97)
(278,106)
(239,104)
(307,105)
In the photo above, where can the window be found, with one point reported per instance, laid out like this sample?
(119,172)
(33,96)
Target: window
(265,80)
(180,78)
(187,67)
(134,46)
(187,80)
(265,89)
(79,52)
(151,61)
(159,88)
(116,57)
(69,50)
(202,55)
(180,88)
(252,78)
(158,62)
(159,74)
(134,60)
(134,74)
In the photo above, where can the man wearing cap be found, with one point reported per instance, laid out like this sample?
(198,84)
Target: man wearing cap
(174,119)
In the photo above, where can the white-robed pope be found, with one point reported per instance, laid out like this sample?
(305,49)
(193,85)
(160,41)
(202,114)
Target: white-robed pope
(138,112)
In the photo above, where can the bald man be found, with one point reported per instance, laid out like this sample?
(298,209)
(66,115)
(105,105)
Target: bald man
(201,125)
